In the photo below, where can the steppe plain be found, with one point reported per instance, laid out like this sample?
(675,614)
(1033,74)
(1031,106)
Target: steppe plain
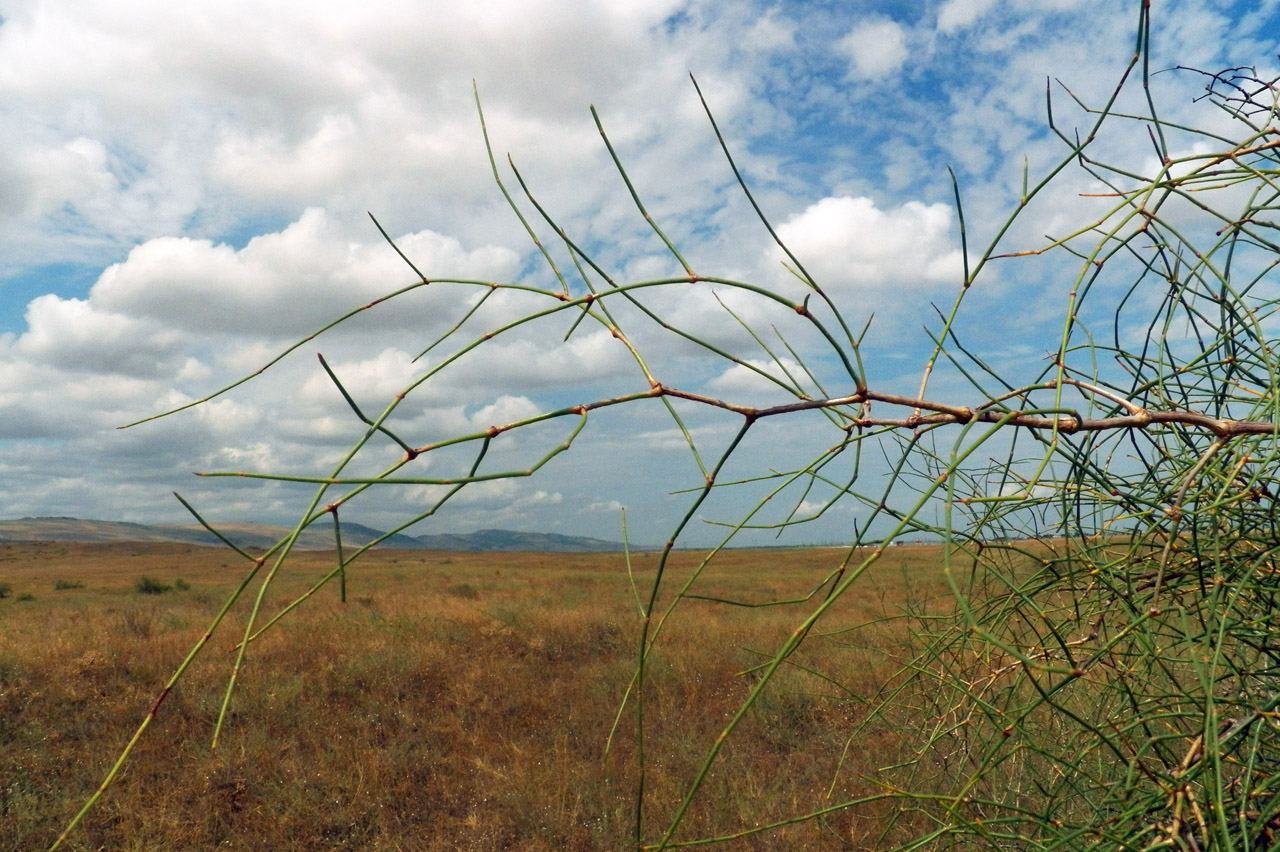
(455,701)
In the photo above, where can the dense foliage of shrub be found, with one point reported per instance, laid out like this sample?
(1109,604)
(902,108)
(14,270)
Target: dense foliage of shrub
(151,586)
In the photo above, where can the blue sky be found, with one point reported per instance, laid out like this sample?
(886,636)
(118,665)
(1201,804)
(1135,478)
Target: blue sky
(185,189)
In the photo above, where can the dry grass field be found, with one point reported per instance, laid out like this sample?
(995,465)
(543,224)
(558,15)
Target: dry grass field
(458,701)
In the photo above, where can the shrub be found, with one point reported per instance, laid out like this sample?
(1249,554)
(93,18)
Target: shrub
(150,586)
(64,585)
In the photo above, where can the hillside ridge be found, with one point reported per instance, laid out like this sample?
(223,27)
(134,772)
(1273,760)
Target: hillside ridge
(320,538)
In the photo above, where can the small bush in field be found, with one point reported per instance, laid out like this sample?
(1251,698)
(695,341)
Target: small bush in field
(151,586)
(63,585)
(5,590)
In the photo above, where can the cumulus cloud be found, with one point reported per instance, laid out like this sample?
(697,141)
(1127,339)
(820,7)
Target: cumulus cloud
(36,181)
(875,48)
(374,380)
(72,335)
(885,255)
(505,409)
(282,283)
(956,15)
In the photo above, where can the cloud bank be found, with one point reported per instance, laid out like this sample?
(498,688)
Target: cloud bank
(186,192)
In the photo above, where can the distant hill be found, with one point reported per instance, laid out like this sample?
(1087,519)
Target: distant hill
(507,540)
(320,537)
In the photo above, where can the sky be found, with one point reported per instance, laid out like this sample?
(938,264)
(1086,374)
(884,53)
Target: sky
(185,192)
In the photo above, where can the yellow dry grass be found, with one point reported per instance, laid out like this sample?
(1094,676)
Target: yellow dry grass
(458,701)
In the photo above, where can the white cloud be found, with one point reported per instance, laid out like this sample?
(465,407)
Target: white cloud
(809,508)
(70,334)
(504,410)
(1034,492)
(883,256)
(606,506)
(536,363)
(200,110)
(769,33)
(490,503)
(374,380)
(666,440)
(215,162)
(744,385)
(284,283)
(958,14)
(36,181)
(875,47)
(259,457)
